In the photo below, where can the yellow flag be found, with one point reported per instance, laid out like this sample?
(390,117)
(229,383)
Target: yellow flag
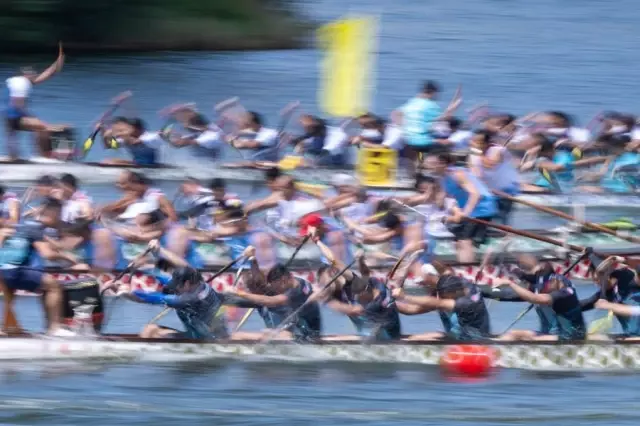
(346,69)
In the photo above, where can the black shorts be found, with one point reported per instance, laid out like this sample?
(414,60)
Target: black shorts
(504,210)
(471,231)
(14,123)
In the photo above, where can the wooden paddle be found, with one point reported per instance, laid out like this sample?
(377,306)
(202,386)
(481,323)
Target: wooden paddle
(531,306)
(558,213)
(249,312)
(527,234)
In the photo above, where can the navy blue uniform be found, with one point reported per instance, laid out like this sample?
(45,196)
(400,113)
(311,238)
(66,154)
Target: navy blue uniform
(380,320)
(625,291)
(307,325)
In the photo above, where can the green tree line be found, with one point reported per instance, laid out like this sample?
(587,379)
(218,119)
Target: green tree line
(36,25)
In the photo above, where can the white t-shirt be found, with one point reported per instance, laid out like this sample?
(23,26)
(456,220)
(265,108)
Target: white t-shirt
(72,208)
(19,87)
(210,139)
(336,140)
(151,139)
(579,135)
(635,134)
(393,138)
(461,138)
(267,137)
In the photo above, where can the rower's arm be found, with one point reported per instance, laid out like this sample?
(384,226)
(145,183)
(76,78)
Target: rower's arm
(46,251)
(340,201)
(590,302)
(120,205)
(266,203)
(250,144)
(591,161)
(263,300)
(14,212)
(51,69)
(502,295)
(157,298)
(429,302)
(240,302)
(619,308)
(326,251)
(345,308)
(411,309)
(474,195)
(167,208)
(529,296)
(173,258)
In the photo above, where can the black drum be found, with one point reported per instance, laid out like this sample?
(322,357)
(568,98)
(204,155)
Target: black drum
(83,291)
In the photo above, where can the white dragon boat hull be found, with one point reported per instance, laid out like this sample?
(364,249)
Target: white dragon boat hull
(565,357)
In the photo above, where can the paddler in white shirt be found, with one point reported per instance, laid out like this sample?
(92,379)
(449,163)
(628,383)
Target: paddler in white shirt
(205,139)
(260,141)
(17,115)
(493,164)
(132,134)
(376,133)
(474,199)
(436,207)
(293,206)
(138,196)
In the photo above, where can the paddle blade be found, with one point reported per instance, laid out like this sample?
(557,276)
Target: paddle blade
(290,162)
(113,143)
(601,325)
(577,153)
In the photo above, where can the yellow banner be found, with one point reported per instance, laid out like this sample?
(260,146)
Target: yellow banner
(346,69)
(377,166)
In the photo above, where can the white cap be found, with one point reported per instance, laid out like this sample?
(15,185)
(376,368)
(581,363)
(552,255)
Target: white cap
(429,269)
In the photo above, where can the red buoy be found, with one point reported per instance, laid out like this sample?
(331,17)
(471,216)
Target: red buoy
(468,360)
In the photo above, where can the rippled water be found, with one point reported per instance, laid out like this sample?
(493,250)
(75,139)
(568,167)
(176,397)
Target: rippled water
(578,56)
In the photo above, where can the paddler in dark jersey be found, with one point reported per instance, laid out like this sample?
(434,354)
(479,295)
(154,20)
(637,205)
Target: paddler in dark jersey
(18,250)
(290,294)
(621,287)
(365,300)
(460,302)
(560,295)
(536,276)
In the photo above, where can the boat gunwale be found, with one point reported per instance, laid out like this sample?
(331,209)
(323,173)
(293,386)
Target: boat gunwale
(134,338)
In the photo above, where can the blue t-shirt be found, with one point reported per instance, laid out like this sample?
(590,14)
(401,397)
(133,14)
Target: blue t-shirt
(418,117)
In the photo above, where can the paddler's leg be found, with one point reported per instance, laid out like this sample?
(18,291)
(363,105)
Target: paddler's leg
(154,331)
(425,336)
(345,338)
(247,335)
(9,321)
(52,297)
(516,335)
